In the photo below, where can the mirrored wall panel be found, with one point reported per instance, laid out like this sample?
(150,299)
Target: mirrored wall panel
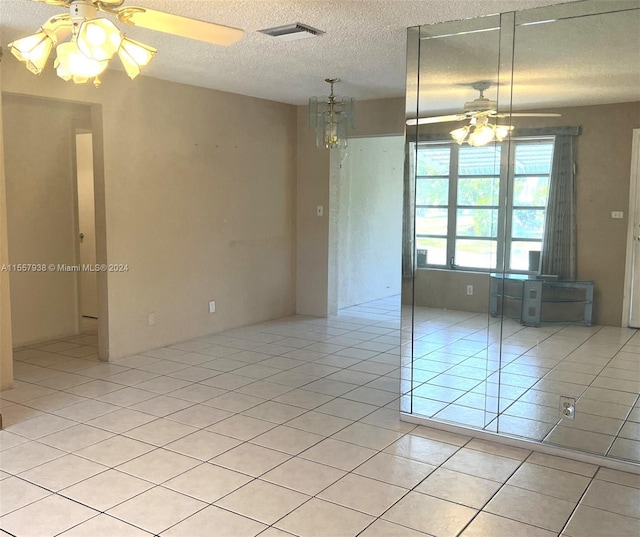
(519,234)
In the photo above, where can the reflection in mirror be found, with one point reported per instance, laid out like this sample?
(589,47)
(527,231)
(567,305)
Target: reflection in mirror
(519,145)
(452,195)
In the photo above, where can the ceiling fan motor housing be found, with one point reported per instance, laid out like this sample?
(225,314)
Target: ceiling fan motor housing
(81,10)
(480,105)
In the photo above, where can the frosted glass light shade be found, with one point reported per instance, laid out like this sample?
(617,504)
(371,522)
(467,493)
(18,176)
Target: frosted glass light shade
(481,135)
(33,50)
(134,55)
(502,131)
(99,39)
(72,64)
(460,134)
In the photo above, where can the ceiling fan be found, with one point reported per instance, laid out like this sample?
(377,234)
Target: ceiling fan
(478,108)
(95,40)
(479,131)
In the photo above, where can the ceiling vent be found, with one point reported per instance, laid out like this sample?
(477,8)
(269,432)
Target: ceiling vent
(292,32)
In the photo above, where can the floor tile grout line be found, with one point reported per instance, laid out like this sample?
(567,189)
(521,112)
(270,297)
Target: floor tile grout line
(481,510)
(579,502)
(622,424)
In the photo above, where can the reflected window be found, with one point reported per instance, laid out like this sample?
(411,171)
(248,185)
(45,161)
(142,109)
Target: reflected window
(468,198)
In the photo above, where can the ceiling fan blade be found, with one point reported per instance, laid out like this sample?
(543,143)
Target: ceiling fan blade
(437,119)
(524,114)
(536,115)
(160,21)
(54,2)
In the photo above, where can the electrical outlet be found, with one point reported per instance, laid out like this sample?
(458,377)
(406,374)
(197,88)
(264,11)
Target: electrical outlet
(617,214)
(151,318)
(567,407)
(469,289)
(212,306)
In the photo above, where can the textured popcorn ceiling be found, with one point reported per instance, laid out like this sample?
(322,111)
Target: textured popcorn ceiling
(364,44)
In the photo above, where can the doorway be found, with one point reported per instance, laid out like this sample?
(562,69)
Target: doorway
(88,283)
(367,190)
(43,222)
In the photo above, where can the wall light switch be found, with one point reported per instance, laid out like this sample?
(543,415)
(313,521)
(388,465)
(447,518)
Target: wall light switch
(469,289)
(319,210)
(617,214)
(212,306)
(151,318)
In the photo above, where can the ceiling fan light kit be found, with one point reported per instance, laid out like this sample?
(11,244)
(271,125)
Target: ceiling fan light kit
(34,50)
(479,131)
(331,117)
(95,40)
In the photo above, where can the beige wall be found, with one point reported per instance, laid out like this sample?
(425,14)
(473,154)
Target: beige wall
(199,190)
(6,350)
(448,289)
(314,263)
(604,169)
(603,164)
(312,231)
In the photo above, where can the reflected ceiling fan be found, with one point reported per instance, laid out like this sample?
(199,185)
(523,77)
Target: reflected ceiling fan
(479,131)
(95,40)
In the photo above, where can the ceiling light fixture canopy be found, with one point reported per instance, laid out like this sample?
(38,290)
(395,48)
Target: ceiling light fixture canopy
(94,41)
(331,117)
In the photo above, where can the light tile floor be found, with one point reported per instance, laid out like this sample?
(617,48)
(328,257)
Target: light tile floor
(461,369)
(285,428)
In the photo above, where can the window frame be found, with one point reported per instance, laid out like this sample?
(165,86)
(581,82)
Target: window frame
(506,175)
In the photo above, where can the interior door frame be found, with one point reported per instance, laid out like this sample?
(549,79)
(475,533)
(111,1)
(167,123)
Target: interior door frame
(633,219)
(80,130)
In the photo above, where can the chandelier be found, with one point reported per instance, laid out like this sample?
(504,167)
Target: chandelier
(331,117)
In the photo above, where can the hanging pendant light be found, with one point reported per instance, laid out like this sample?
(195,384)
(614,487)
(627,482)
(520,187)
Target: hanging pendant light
(331,117)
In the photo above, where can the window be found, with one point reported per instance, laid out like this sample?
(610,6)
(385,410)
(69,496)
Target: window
(469,198)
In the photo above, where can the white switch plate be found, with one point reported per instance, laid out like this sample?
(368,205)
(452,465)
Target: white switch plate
(151,319)
(617,214)
(212,306)
(469,289)
(319,210)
